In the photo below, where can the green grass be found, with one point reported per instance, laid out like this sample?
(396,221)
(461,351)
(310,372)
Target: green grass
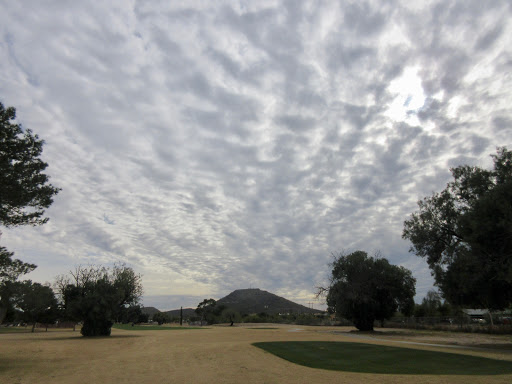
(128,327)
(370,358)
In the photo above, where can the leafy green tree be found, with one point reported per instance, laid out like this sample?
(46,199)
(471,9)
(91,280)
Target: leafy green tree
(10,270)
(209,310)
(24,189)
(432,302)
(364,289)
(98,295)
(231,316)
(132,314)
(465,234)
(161,318)
(35,303)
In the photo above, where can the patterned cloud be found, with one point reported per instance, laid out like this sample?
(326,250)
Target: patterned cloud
(224,145)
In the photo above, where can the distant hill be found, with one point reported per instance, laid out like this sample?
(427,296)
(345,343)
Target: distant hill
(245,301)
(150,311)
(187,312)
(254,300)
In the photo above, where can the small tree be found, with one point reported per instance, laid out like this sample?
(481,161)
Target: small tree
(10,270)
(432,303)
(36,303)
(208,310)
(364,289)
(230,315)
(161,318)
(98,295)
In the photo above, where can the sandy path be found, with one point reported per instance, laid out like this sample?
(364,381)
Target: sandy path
(215,355)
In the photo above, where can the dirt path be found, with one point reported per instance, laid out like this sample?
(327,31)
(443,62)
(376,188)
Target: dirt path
(215,355)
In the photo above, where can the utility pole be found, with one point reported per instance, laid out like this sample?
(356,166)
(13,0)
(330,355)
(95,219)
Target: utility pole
(181,316)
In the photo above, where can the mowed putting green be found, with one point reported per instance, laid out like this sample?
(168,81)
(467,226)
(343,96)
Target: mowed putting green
(372,358)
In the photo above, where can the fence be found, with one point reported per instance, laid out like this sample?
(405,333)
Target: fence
(500,324)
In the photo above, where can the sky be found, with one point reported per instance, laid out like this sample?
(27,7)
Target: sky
(222,145)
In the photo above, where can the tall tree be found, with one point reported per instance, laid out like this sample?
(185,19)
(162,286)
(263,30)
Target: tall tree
(465,234)
(25,193)
(364,289)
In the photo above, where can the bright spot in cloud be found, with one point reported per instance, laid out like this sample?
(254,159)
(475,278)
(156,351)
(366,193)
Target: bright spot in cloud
(409,97)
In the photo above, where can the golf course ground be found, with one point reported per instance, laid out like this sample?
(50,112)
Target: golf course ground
(253,353)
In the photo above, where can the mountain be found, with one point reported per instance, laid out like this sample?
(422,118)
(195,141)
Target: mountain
(150,311)
(187,312)
(254,300)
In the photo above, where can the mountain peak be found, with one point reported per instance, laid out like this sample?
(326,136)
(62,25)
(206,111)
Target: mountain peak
(255,300)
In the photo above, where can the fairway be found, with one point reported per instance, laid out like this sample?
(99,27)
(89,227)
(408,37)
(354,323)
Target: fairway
(129,327)
(371,358)
(223,354)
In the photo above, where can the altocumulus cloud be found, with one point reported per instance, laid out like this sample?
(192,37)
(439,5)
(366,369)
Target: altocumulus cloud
(222,145)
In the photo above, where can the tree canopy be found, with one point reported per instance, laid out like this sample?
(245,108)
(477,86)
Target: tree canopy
(36,303)
(465,234)
(25,192)
(364,289)
(10,270)
(98,296)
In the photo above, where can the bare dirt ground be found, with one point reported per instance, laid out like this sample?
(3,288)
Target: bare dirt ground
(216,355)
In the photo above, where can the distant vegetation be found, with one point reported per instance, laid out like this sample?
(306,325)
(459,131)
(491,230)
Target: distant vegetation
(245,306)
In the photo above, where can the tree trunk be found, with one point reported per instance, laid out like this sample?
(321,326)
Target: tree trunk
(3,312)
(33,326)
(490,317)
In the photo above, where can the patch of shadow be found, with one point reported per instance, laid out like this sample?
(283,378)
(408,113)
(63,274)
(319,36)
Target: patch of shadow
(501,346)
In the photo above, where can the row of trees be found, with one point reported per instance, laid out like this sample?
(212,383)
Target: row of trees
(95,296)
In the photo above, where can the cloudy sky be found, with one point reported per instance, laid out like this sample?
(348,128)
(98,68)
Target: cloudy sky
(221,145)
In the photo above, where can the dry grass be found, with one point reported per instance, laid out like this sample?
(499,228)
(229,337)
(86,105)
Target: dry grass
(215,355)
